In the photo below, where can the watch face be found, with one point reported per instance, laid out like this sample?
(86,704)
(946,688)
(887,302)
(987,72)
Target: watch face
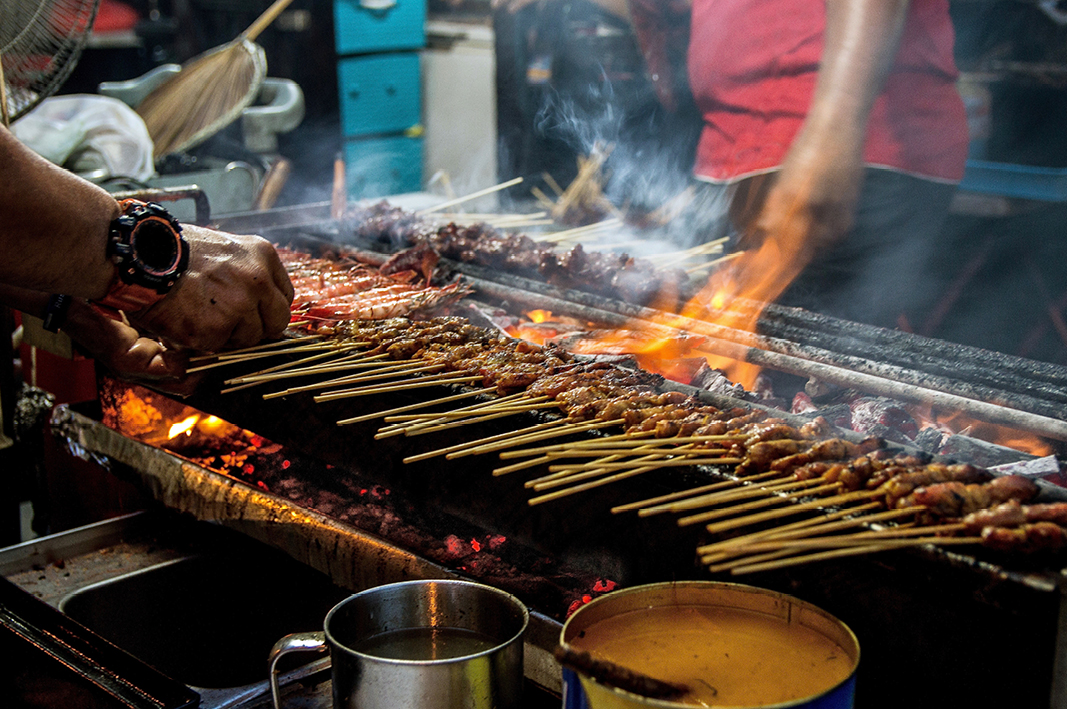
(156,247)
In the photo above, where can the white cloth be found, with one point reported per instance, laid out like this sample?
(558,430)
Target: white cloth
(97,136)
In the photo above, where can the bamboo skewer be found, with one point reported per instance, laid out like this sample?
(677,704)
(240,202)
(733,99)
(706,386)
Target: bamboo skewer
(683,461)
(515,467)
(533,436)
(658,505)
(792,509)
(755,505)
(384,368)
(589,485)
(415,406)
(488,440)
(495,414)
(472,195)
(566,478)
(857,539)
(305,360)
(637,439)
(534,402)
(352,361)
(260,355)
(255,348)
(801,527)
(853,551)
(727,496)
(435,418)
(715,262)
(420,383)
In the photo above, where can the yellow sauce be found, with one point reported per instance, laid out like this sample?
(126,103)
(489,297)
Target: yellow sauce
(727,656)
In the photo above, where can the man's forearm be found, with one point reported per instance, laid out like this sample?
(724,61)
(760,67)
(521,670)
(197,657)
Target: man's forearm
(862,38)
(53,225)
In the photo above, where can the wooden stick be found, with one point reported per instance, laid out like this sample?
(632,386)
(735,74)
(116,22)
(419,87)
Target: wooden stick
(515,467)
(435,418)
(420,383)
(589,485)
(715,262)
(656,505)
(660,463)
(353,361)
(651,502)
(785,529)
(497,413)
(255,348)
(853,551)
(464,448)
(565,478)
(591,443)
(792,509)
(415,406)
(535,403)
(492,447)
(847,540)
(472,195)
(738,493)
(754,505)
(552,184)
(380,371)
(336,381)
(260,355)
(305,360)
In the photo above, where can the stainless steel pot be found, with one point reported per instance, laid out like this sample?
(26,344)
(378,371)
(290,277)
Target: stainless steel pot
(427,644)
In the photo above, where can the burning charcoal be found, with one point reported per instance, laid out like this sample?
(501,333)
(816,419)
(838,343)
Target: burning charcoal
(929,439)
(802,404)
(839,415)
(822,391)
(715,381)
(882,417)
(627,361)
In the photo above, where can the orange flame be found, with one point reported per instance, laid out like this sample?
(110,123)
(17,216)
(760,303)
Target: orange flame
(539,316)
(734,297)
(955,422)
(184,426)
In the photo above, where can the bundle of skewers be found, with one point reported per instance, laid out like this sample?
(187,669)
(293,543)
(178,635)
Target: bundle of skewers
(600,424)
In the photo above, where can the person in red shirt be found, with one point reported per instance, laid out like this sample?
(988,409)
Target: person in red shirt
(836,123)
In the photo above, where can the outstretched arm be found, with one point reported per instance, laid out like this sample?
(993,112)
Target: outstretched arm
(813,200)
(53,239)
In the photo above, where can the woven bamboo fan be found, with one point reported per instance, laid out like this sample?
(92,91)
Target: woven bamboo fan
(210,91)
(40,42)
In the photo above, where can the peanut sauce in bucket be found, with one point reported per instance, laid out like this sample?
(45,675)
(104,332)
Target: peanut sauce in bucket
(732,645)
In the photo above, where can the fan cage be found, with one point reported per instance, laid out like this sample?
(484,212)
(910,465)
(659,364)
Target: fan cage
(40,43)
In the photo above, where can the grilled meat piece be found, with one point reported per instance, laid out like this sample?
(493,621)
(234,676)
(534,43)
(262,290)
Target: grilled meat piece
(830,449)
(1013,514)
(956,499)
(1027,538)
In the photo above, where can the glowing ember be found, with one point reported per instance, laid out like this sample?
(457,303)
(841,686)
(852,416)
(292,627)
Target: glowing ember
(539,316)
(184,426)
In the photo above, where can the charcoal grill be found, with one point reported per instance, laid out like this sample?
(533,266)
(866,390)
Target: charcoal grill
(935,625)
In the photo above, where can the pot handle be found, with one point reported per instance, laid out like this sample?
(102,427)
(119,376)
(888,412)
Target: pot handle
(296,642)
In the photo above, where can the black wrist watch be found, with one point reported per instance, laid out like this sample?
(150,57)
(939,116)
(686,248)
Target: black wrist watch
(150,253)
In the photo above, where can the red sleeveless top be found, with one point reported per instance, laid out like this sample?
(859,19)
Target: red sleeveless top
(752,69)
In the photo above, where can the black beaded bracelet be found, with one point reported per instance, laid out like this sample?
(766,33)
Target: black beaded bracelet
(55,313)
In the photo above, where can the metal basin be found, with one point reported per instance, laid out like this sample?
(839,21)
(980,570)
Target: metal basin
(208,620)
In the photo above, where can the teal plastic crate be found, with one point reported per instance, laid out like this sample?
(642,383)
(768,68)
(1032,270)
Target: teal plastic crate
(379,93)
(1048,184)
(376,167)
(379,25)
